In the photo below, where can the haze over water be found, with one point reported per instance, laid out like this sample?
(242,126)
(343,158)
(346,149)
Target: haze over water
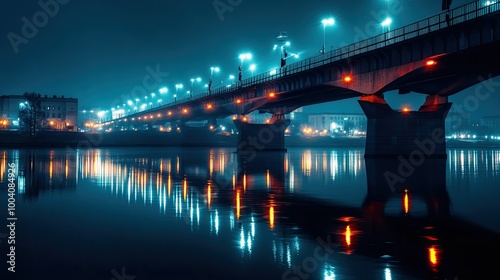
(202,213)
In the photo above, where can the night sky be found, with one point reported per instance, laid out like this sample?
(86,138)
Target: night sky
(98,51)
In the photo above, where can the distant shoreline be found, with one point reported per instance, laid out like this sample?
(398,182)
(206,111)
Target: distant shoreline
(60,139)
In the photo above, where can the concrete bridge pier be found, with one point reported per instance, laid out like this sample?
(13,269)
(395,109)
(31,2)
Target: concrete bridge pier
(262,137)
(411,134)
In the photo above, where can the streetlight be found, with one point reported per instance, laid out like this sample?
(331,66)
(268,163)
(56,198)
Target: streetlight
(163,90)
(192,83)
(387,22)
(252,68)
(177,87)
(242,58)
(175,97)
(212,69)
(153,96)
(325,22)
(283,43)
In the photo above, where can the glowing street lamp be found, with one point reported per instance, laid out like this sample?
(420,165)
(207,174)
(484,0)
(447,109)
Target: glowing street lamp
(387,22)
(163,90)
(212,69)
(192,83)
(177,87)
(252,68)
(325,22)
(243,57)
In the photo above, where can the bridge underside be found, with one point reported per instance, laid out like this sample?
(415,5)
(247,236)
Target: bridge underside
(451,74)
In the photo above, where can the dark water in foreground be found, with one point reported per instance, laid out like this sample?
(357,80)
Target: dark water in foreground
(184,213)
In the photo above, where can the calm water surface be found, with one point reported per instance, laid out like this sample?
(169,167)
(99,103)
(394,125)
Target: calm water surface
(200,213)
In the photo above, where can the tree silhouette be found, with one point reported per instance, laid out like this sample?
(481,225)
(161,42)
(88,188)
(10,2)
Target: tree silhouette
(31,116)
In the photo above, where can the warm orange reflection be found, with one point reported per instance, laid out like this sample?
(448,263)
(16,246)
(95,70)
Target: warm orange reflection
(244,182)
(209,195)
(178,166)
(184,189)
(211,163)
(238,205)
(268,179)
(66,168)
(271,217)
(433,256)
(306,163)
(406,202)
(222,163)
(4,164)
(169,185)
(348,235)
(234,181)
(50,168)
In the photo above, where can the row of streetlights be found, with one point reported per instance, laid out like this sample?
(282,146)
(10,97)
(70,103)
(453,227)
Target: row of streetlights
(243,57)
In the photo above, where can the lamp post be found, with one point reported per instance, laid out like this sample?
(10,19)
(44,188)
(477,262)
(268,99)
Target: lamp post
(243,57)
(153,96)
(177,87)
(212,69)
(387,22)
(325,22)
(192,83)
(252,68)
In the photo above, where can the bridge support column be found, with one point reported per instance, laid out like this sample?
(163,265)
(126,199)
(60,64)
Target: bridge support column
(262,137)
(412,134)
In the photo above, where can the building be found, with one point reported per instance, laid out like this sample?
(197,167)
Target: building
(457,123)
(337,123)
(492,123)
(61,113)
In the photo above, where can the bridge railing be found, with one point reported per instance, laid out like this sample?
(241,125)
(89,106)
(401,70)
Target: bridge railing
(437,22)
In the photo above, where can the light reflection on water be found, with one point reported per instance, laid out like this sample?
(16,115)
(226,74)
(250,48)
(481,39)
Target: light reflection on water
(247,200)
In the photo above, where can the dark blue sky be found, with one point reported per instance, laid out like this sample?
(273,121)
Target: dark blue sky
(98,51)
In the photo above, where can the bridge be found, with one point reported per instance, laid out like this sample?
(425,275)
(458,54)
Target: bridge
(437,56)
